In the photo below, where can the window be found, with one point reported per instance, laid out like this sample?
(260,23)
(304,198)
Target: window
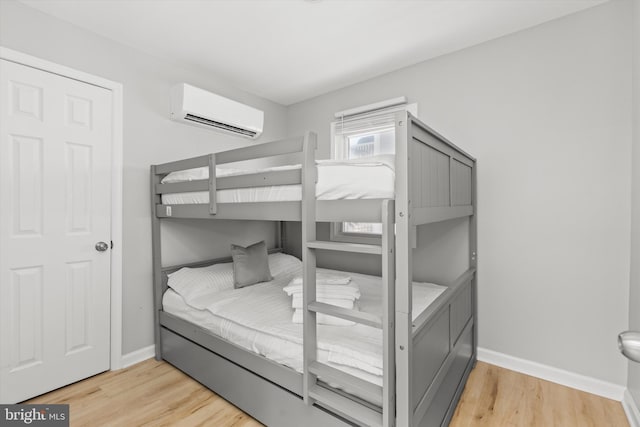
(369,143)
(367,134)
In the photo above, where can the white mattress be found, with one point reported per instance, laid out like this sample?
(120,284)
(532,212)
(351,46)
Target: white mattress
(370,178)
(258,318)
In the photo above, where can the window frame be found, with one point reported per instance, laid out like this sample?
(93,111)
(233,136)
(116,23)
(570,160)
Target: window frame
(344,127)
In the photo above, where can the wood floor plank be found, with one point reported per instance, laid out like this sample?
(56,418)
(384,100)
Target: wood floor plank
(150,393)
(495,396)
(155,393)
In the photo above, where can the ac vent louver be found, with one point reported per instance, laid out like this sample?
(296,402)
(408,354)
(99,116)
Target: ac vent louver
(219,125)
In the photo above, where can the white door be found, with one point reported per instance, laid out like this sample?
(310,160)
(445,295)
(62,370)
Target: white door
(55,205)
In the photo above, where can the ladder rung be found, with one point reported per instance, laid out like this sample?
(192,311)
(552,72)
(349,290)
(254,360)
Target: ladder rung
(345,406)
(345,247)
(347,314)
(365,389)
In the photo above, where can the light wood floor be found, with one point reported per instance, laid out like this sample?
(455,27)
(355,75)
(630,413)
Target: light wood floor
(495,397)
(154,393)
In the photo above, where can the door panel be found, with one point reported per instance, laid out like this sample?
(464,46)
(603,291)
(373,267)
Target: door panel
(55,193)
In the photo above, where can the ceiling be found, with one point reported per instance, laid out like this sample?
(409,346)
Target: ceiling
(291,50)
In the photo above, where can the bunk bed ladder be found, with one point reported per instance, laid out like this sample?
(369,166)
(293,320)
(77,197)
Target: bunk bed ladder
(317,375)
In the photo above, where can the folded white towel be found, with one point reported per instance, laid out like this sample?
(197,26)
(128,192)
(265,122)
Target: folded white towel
(323,319)
(350,291)
(340,302)
(325,279)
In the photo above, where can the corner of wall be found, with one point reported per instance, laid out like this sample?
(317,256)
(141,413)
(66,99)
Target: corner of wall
(138,356)
(632,395)
(631,409)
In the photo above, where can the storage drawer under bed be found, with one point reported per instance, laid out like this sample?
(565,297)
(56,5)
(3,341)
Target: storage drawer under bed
(260,398)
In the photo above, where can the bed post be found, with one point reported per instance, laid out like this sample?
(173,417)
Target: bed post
(309,331)
(156,261)
(280,237)
(213,206)
(388,301)
(473,256)
(404,273)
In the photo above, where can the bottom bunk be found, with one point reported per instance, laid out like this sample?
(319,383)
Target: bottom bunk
(242,343)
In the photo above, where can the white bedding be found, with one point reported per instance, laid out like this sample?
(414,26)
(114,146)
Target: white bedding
(258,318)
(370,178)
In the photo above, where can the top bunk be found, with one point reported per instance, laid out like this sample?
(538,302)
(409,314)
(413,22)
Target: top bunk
(428,175)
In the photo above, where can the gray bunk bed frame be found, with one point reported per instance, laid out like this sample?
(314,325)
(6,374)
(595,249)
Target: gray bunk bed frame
(426,361)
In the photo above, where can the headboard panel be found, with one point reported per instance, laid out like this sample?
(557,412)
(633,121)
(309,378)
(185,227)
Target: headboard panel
(460,183)
(440,178)
(431,177)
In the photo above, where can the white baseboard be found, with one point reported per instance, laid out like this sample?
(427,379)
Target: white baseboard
(138,356)
(631,409)
(555,375)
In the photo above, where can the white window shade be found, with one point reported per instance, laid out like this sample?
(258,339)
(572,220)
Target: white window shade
(372,120)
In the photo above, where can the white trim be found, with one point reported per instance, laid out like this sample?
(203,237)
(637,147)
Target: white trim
(117,227)
(116,184)
(631,409)
(555,375)
(138,356)
(371,107)
(52,67)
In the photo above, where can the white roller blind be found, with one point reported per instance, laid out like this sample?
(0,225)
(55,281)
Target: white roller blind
(372,120)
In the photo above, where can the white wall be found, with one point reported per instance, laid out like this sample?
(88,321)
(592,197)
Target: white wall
(547,114)
(634,293)
(149,137)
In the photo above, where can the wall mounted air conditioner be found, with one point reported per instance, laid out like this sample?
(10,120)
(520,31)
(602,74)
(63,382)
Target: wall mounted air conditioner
(198,107)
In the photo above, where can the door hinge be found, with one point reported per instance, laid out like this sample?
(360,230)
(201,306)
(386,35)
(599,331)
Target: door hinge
(112,244)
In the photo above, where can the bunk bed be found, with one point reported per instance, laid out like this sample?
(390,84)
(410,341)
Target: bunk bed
(426,355)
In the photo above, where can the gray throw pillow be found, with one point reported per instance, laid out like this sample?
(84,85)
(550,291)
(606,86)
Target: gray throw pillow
(250,265)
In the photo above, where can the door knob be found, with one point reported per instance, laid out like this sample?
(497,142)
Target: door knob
(101,246)
(629,345)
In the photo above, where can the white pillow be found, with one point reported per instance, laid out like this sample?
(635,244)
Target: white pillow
(280,263)
(193,283)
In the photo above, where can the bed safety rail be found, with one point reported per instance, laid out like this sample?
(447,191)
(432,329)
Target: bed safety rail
(213,184)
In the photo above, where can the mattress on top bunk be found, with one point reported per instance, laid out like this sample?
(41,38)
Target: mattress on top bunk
(368,178)
(259,318)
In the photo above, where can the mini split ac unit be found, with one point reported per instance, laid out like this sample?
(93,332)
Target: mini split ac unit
(198,107)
